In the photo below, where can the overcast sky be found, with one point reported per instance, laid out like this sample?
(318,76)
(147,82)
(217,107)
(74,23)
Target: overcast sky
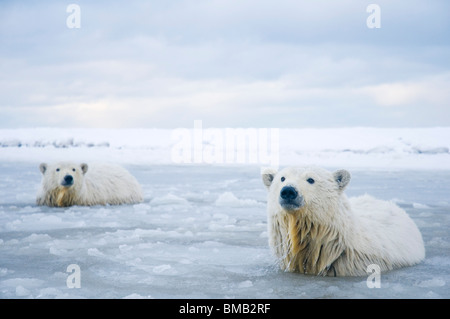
(229,63)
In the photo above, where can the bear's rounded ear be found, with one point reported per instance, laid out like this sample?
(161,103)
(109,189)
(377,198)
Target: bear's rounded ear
(84,168)
(267,176)
(43,167)
(342,178)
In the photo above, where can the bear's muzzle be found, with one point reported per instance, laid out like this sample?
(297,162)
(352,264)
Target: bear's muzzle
(290,199)
(67,181)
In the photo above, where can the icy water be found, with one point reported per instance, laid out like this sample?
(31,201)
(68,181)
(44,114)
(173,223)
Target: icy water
(200,233)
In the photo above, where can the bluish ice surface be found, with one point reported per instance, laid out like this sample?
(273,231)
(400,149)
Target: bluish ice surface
(200,233)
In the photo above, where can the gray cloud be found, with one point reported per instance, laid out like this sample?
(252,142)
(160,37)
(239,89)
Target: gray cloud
(229,63)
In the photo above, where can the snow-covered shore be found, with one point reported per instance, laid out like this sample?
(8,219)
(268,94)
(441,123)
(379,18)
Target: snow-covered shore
(375,148)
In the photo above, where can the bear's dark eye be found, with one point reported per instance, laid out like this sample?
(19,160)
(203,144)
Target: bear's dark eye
(57,169)
(73,169)
(310,180)
(283,179)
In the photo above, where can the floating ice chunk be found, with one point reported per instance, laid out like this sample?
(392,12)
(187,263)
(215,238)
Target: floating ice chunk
(434,282)
(211,244)
(37,238)
(134,262)
(438,261)
(189,220)
(50,293)
(95,252)
(13,225)
(333,290)
(51,220)
(28,283)
(398,288)
(161,268)
(230,200)
(142,208)
(169,199)
(245,284)
(26,197)
(57,251)
(29,209)
(220,216)
(439,242)
(125,248)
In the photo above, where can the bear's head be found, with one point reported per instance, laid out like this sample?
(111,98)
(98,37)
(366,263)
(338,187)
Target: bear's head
(63,175)
(310,190)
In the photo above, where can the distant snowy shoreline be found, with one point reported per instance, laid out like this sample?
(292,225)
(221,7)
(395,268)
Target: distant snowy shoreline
(360,147)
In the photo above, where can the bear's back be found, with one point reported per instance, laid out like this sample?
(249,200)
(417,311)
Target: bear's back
(387,230)
(110,184)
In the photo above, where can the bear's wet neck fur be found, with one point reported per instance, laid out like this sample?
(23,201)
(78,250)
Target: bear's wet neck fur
(61,197)
(305,245)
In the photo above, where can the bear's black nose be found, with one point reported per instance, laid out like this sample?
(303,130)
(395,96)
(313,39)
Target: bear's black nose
(290,199)
(68,180)
(288,193)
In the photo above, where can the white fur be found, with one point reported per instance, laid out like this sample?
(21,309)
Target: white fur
(333,235)
(94,184)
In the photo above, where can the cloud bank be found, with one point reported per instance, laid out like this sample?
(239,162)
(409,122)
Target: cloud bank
(228,63)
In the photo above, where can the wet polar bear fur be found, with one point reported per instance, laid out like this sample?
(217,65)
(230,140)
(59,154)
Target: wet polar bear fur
(67,184)
(315,229)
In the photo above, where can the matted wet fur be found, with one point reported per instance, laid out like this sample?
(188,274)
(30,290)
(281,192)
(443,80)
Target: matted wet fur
(58,197)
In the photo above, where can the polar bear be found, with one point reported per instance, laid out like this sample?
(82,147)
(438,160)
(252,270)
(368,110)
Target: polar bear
(66,184)
(315,229)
